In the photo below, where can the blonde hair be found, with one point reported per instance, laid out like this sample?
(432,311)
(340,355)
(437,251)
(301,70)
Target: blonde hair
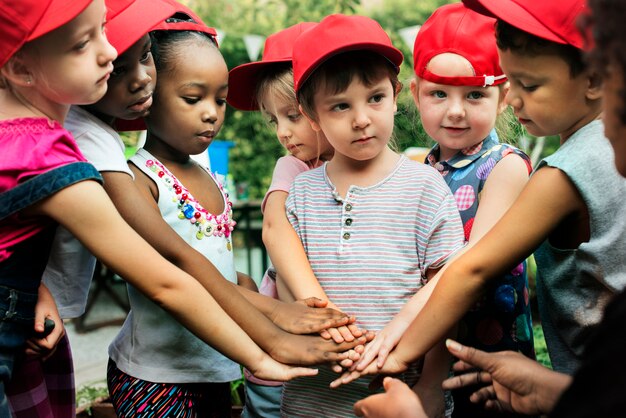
(276,82)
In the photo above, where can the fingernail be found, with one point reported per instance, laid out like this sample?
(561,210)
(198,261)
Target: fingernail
(453,345)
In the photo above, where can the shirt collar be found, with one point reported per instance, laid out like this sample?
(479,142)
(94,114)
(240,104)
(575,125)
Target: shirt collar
(464,156)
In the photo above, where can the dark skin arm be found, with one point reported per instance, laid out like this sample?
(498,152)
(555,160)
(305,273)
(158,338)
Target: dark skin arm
(138,208)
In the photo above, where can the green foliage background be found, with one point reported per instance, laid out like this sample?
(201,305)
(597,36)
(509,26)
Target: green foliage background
(252,159)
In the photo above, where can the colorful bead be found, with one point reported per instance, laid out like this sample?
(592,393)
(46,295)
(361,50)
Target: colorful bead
(207,224)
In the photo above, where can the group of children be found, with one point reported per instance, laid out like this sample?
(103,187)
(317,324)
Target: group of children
(376,258)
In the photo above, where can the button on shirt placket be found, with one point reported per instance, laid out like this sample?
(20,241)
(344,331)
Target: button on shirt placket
(347,220)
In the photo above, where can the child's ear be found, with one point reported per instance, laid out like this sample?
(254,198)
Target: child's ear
(16,72)
(504,90)
(414,90)
(314,125)
(594,87)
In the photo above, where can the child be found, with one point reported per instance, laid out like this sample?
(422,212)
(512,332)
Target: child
(68,60)
(459,91)
(92,128)
(373,223)
(597,388)
(519,383)
(572,208)
(271,79)
(43,381)
(142,365)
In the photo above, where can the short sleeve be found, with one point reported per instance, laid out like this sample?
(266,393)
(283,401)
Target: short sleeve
(99,143)
(292,212)
(285,172)
(444,236)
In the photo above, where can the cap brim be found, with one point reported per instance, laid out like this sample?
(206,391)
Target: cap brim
(58,14)
(242,83)
(515,15)
(391,53)
(136,21)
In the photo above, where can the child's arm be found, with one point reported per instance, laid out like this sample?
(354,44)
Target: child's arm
(291,263)
(428,388)
(502,187)
(96,223)
(45,308)
(246,281)
(545,202)
(138,207)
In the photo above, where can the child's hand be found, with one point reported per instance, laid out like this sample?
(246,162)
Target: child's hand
(270,369)
(308,316)
(341,334)
(40,345)
(393,365)
(398,401)
(384,342)
(309,350)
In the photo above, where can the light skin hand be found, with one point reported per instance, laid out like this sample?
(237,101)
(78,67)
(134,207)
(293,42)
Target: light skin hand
(518,383)
(45,308)
(398,401)
(392,366)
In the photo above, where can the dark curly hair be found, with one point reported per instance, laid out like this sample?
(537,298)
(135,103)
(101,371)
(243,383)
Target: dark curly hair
(607,28)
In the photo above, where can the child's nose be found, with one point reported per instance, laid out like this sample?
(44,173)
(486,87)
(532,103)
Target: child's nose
(456,109)
(361,120)
(141,79)
(107,53)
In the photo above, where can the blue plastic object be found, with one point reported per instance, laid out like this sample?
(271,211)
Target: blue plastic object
(218,156)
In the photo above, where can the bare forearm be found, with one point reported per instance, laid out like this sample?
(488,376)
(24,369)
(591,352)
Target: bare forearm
(286,251)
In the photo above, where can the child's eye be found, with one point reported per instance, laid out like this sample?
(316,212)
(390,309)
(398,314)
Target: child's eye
(339,107)
(145,57)
(377,98)
(530,88)
(81,45)
(221,102)
(118,71)
(191,100)
(475,95)
(294,117)
(438,94)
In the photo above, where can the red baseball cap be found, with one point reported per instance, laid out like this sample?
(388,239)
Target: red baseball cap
(339,33)
(548,19)
(243,79)
(18,19)
(136,21)
(22,21)
(454,28)
(195,24)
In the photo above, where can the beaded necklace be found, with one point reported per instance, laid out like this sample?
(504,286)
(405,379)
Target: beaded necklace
(192,211)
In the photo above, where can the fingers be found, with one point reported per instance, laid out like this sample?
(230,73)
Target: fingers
(293,372)
(355,331)
(336,335)
(467,379)
(314,302)
(345,378)
(469,355)
(484,394)
(371,351)
(325,335)
(461,366)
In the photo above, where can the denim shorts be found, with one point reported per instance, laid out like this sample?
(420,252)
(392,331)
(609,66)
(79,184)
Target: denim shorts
(17,313)
(262,401)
